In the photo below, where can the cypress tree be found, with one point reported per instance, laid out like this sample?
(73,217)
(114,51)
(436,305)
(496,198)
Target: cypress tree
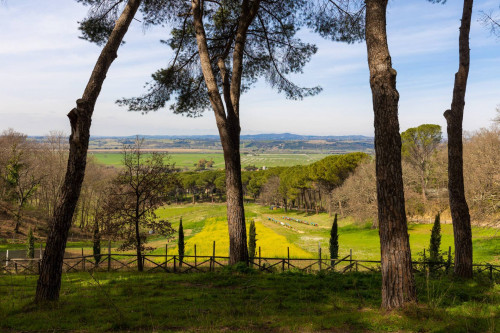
(334,241)
(96,244)
(435,243)
(180,243)
(31,245)
(252,241)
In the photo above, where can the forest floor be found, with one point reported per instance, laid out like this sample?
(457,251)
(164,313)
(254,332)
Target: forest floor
(242,300)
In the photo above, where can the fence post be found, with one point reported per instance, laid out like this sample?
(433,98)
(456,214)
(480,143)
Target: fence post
(213,256)
(83,261)
(288,255)
(283,265)
(350,258)
(15,266)
(109,255)
(320,259)
(491,272)
(260,258)
(166,256)
(41,250)
(195,261)
(175,268)
(7,259)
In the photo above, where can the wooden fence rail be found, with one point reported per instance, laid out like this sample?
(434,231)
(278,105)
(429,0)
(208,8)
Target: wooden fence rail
(198,263)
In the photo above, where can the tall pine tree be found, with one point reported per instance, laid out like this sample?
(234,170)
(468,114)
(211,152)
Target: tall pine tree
(252,241)
(31,245)
(180,243)
(435,243)
(334,241)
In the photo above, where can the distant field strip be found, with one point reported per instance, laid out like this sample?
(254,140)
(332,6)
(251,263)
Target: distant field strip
(188,160)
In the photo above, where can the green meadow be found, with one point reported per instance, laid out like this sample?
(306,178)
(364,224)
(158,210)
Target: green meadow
(239,299)
(205,223)
(188,160)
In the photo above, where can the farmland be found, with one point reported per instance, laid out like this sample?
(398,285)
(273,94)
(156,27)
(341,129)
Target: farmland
(205,223)
(188,160)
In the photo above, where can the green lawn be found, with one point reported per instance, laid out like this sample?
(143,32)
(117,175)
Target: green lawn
(187,160)
(252,302)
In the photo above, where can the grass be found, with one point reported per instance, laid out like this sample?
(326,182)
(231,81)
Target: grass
(229,301)
(187,160)
(205,223)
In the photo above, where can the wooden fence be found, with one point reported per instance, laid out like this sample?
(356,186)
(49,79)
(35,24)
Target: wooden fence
(195,263)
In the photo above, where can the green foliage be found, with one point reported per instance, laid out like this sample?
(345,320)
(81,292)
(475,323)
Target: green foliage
(272,52)
(419,143)
(31,244)
(334,239)
(180,242)
(435,242)
(252,240)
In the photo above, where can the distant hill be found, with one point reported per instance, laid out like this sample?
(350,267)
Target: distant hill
(257,143)
(255,137)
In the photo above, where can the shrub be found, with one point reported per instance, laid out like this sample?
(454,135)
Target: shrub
(180,243)
(31,245)
(334,240)
(252,241)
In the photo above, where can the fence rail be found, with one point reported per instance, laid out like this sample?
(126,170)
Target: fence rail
(197,263)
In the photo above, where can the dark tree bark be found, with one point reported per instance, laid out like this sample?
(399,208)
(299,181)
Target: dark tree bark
(398,286)
(49,281)
(228,121)
(454,118)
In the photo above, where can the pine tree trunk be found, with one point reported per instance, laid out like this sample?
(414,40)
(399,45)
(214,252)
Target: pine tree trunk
(454,117)
(398,286)
(49,281)
(238,251)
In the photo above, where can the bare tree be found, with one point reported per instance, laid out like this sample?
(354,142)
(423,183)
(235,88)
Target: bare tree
(398,285)
(136,193)
(49,281)
(21,175)
(454,118)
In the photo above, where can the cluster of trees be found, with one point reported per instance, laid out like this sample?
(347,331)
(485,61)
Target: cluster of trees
(31,174)
(221,48)
(425,178)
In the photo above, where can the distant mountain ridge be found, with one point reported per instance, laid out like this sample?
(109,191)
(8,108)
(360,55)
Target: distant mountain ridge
(256,137)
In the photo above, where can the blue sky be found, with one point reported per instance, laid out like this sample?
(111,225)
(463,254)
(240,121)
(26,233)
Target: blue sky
(44,68)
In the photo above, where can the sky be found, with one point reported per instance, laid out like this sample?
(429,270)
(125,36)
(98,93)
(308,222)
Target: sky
(44,68)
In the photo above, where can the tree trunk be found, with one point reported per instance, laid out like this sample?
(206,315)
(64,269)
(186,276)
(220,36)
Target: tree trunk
(398,286)
(238,251)
(18,219)
(227,119)
(454,117)
(424,186)
(140,267)
(49,281)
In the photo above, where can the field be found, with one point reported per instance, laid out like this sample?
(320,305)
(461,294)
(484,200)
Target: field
(188,160)
(245,301)
(239,299)
(205,223)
